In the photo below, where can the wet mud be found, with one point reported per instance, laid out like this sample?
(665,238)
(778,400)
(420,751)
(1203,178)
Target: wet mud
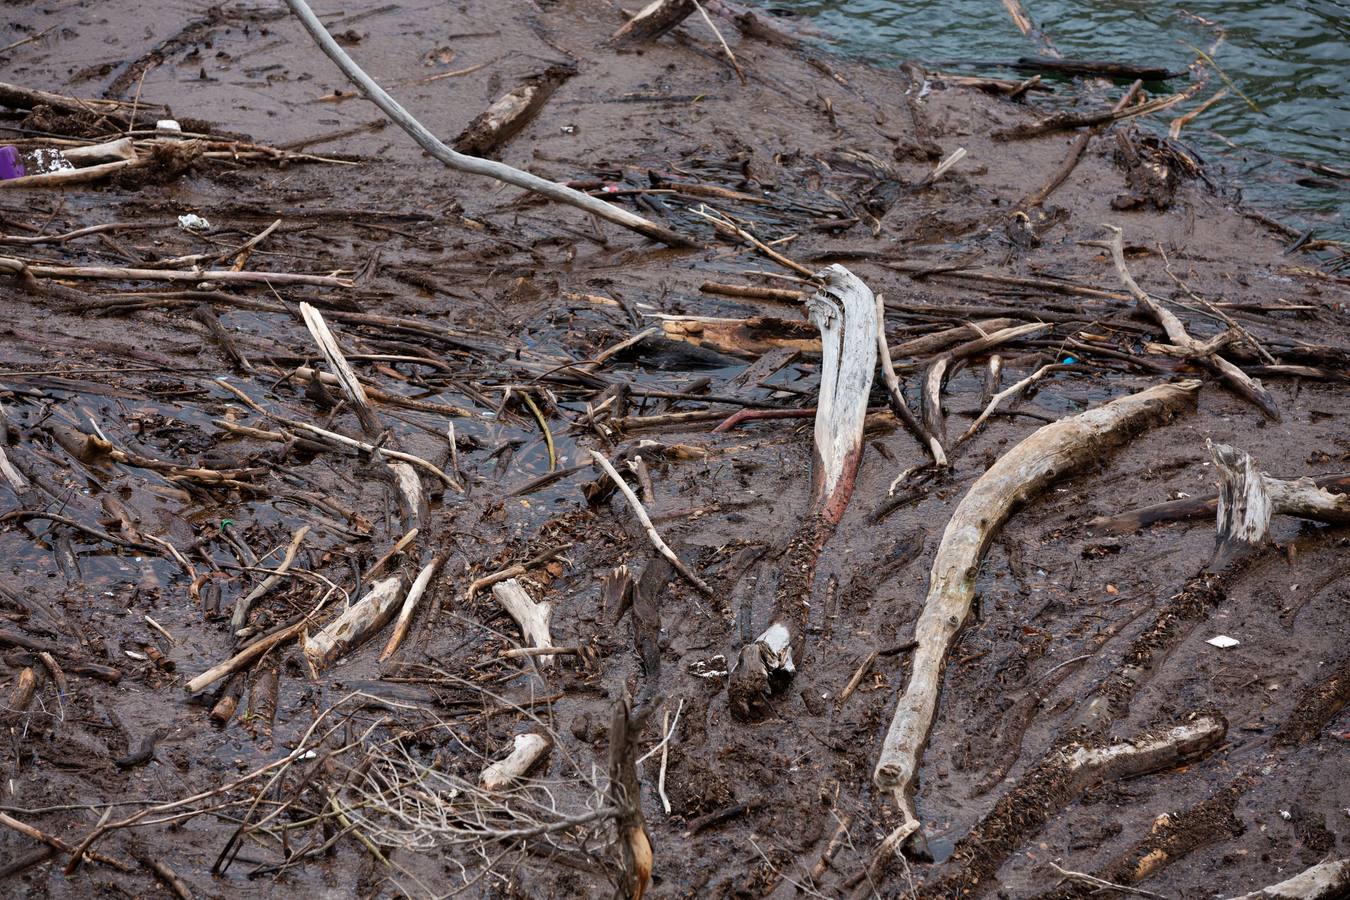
(152,498)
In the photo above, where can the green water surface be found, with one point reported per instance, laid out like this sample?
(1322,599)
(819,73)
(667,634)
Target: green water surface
(1288,59)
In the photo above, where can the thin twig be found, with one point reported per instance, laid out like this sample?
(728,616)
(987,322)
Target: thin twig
(661,546)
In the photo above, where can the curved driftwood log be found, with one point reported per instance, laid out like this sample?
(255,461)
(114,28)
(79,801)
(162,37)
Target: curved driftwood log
(1324,881)
(1047,455)
(1248,499)
(845,311)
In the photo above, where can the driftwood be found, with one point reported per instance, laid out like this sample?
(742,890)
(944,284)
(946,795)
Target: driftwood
(511,112)
(1324,881)
(625,794)
(1204,351)
(245,603)
(1248,499)
(526,751)
(936,374)
(419,587)
(1090,67)
(1047,455)
(1075,152)
(359,622)
(531,615)
(191,276)
(473,165)
(896,396)
(346,376)
(652,535)
(652,21)
(845,311)
(1189,508)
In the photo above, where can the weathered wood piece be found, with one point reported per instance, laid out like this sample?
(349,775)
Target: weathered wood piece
(359,622)
(1049,454)
(845,311)
(526,751)
(531,615)
(511,112)
(1248,499)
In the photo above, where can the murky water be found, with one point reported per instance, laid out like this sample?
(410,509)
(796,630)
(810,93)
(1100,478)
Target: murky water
(1289,59)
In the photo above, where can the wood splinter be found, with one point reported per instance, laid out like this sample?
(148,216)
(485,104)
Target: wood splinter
(845,311)
(1048,455)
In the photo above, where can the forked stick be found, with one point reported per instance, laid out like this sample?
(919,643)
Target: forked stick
(473,165)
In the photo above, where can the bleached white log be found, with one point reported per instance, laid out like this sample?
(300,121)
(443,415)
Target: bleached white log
(1049,454)
(360,621)
(845,312)
(527,749)
(412,502)
(531,615)
(1324,881)
(1130,758)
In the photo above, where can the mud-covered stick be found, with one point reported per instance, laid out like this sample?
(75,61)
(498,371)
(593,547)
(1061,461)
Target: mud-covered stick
(473,165)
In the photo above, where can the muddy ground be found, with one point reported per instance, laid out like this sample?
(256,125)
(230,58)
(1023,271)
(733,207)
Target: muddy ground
(496,297)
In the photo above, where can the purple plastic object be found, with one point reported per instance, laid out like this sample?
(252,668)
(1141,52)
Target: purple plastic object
(11,164)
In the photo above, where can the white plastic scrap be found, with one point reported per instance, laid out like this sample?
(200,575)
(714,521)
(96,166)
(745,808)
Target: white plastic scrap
(168,126)
(193,222)
(1223,641)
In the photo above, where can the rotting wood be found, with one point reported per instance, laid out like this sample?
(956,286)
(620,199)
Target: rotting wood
(1248,499)
(634,844)
(471,164)
(511,112)
(526,751)
(1052,452)
(845,311)
(533,616)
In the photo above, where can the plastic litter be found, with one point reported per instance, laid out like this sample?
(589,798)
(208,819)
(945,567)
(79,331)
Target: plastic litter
(16,163)
(193,222)
(1223,641)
